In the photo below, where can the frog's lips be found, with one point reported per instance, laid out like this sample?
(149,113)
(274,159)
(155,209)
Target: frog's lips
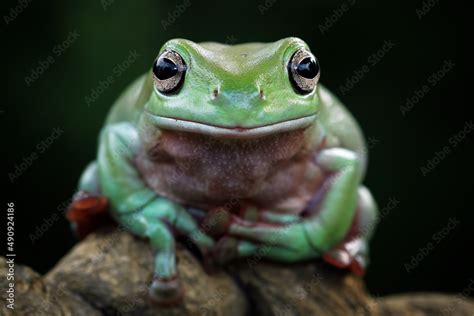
(231,132)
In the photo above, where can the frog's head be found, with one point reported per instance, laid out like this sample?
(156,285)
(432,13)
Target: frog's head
(245,90)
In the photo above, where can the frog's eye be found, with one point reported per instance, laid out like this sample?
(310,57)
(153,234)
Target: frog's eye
(303,70)
(168,72)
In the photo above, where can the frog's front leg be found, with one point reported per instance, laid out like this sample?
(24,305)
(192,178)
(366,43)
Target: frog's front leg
(140,210)
(318,233)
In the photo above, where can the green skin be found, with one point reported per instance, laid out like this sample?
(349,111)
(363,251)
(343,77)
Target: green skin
(240,93)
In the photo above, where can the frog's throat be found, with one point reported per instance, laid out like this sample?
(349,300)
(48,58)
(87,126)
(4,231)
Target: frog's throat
(229,132)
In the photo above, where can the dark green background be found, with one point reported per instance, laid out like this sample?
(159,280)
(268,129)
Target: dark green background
(405,143)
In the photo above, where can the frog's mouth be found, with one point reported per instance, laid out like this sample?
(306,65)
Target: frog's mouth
(230,132)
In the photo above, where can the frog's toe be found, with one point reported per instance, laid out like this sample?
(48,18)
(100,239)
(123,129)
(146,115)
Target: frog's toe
(358,265)
(264,233)
(351,255)
(229,248)
(338,258)
(166,292)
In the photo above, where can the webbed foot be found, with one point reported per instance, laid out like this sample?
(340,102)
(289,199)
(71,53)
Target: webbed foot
(87,212)
(166,292)
(350,255)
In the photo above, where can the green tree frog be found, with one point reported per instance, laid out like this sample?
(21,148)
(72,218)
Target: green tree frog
(237,149)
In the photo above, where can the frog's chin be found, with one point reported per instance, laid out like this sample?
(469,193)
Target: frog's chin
(230,132)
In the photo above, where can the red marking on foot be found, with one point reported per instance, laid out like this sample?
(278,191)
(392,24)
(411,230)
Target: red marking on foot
(173,278)
(333,261)
(355,264)
(357,267)
(88,213)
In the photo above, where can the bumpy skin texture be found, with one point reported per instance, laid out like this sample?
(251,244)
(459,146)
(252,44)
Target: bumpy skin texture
(235,160)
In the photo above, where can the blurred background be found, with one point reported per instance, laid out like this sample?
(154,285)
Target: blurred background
(394,65)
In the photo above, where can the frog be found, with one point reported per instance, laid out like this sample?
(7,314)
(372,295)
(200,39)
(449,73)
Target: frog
(241,151)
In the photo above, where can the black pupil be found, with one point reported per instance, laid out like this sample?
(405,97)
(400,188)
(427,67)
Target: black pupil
(165,68)
(307,68)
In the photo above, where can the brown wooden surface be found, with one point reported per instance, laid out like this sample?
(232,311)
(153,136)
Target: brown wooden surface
(108,274)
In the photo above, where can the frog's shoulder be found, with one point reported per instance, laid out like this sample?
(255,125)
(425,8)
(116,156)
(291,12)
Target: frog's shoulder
(341,127)
(130,103)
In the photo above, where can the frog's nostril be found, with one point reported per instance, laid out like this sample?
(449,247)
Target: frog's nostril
(262,95)
(215,93)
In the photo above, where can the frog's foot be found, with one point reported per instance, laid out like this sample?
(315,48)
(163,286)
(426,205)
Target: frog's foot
(269,235)
(88,212)
(166,292)
(350,255)
(230,248)
(159,221)
(165,288)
